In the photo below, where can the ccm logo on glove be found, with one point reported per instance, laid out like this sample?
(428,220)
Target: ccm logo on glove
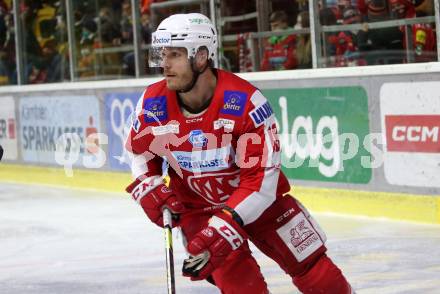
(211,246)
(154,199)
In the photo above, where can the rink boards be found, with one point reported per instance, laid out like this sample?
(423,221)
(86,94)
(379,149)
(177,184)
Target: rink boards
(359,140)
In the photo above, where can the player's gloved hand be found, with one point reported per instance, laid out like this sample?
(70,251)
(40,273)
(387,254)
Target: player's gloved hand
(153,201)
(212,245)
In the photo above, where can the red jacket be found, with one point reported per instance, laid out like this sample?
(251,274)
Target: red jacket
(280,54)
(424,42)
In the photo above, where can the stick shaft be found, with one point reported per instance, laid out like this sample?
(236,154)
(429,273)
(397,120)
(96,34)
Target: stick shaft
(167,225)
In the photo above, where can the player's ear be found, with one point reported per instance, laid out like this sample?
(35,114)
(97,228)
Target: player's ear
(201,57)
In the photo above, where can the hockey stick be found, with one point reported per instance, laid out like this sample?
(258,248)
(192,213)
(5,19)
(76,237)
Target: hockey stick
(167,225)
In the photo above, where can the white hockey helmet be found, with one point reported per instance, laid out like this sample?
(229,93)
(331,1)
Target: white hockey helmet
(190,31)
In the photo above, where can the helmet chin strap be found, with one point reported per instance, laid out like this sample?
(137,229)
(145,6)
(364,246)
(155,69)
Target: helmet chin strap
(196,75)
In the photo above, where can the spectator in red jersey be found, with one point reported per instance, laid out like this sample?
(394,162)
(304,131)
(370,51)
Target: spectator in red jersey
(423,35)
(279,52)
(339,10)
(401,9)
(374,10)
(347,51)
(346,40)
(327,17)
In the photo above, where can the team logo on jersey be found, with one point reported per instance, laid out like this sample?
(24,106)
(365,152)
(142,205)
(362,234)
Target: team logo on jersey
(234,102)
(155,109)
(215,188)
(261,113)
(197,138)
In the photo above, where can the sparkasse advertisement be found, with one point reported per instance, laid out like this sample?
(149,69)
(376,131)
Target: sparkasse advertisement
(8,128)
(46,119)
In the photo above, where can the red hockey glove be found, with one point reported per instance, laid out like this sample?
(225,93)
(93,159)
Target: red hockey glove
(211,246)
(155,200)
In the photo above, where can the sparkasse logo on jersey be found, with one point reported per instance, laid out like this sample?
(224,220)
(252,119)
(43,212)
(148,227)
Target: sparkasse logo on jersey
(413,133)
(234,102)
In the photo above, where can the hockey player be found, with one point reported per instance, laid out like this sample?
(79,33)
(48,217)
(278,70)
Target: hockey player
(219,136)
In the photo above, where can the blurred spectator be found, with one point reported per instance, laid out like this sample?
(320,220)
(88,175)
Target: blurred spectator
(337,6)
(51,66)
(7,46)
(53,62)
(146,29)
(424,43)
(109,28)
(341,5)
(386,42)
(87,58)
(327,17)
(88,32)
(424,7)
(44,22)
(5,6)
(303,45)
(347,51)
(33,72)
(299,20)
(374,10)
(128,61)
(126,23)
(110,35)
(400,9)
(303,6)
(423,35)
(279,51)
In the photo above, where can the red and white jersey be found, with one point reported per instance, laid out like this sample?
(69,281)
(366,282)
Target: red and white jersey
(229,154)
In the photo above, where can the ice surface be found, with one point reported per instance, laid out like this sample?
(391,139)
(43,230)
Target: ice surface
(55,240)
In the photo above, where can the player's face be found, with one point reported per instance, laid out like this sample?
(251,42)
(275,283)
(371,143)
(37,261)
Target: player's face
(176,68)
